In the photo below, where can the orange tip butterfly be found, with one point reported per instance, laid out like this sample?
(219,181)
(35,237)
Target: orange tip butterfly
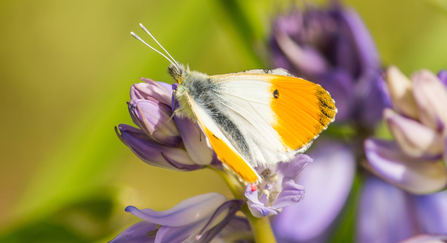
(252,118)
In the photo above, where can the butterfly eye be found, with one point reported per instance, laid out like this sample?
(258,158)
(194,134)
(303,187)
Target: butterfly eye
(265,174)
(276,94)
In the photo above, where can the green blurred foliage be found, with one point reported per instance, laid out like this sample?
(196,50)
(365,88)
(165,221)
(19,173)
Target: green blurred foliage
(81,221)
(66,69)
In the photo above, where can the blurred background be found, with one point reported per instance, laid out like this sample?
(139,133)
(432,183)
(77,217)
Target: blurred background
(66,70)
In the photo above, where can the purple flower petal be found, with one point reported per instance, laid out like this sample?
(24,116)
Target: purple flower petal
(195,141)
(432,212)
(151,89)
(307,59)
(257,208)
(166,86)
(445,152)
(229,208)
(186,212)
(442,75)
(361,44)
(202,230)
(238,229)
(152,152)
(374,97)
(327,181)
(184,233)
(291,193)
(415,139)
(384,213)
(431,97)
(197,219)
(292,168)
(137,233)
(417,176)
(155,119)
(193,137)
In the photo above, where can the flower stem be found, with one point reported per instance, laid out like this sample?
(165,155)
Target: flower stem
(235,186)
(260,227)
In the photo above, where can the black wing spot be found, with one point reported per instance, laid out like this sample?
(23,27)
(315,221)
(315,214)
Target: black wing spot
(216,137)
(276,94)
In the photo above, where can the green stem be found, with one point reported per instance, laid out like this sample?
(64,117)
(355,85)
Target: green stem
(235,186)
(260,226)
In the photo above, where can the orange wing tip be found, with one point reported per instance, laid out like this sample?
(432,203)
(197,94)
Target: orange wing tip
(300,121)
(327,106)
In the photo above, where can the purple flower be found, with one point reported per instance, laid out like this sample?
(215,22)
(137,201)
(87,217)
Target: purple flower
(278,188)
(163,140)
(332,47)
(388,214)
(327,181)
(413,162)
(197,219)
(410,165)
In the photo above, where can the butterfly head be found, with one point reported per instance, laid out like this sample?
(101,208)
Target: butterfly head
(178,71)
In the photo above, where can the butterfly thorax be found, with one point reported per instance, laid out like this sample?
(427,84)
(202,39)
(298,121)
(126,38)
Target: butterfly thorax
(191,85)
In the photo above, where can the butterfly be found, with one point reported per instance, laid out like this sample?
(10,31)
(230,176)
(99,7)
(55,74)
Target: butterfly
(252,118)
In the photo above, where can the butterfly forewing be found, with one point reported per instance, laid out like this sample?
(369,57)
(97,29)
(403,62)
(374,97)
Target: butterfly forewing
(279,113)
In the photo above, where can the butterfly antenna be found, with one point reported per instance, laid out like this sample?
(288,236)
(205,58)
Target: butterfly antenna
(138,38)
(149,33)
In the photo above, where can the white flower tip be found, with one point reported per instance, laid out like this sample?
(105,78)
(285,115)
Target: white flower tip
(388,113)
(401,91)
(431,96)
(424,76)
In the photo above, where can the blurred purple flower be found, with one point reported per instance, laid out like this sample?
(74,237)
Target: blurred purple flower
(332,47)
(413,162)
(162,140)
(328,181)
(388,214)
(278,188)
(196,219)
